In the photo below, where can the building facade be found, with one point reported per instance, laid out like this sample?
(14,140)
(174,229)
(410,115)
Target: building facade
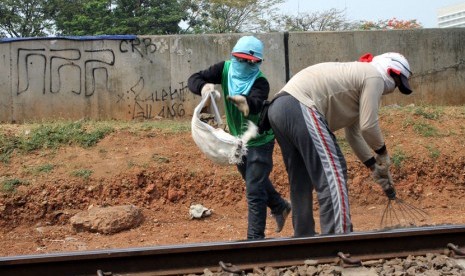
(451,16)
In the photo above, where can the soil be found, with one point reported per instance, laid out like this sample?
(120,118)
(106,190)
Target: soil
(163,173)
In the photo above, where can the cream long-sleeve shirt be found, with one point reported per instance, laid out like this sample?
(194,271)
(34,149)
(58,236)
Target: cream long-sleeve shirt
(348,94)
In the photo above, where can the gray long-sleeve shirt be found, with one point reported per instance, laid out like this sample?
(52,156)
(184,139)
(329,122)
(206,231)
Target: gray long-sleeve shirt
(348,94)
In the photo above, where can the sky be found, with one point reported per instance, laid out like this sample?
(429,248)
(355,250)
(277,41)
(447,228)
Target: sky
(424,11)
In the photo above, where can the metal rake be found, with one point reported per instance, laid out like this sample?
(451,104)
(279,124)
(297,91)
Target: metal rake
(399,213)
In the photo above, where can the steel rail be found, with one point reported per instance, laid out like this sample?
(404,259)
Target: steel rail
(194,258)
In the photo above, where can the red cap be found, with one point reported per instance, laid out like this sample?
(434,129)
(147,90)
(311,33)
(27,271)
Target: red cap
(246,56)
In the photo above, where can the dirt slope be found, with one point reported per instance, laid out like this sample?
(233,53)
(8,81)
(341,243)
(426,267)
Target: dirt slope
(164,173)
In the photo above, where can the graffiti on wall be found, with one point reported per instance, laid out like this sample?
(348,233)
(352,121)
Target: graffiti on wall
(143,103)
(143,99)
(142,47)
(51,69)
(87,72)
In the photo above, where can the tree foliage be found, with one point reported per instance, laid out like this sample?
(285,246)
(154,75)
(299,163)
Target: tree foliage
(24,18)
(82,17)
(390,24)
(96,17)
(148,17)
(227,16)
(330,20)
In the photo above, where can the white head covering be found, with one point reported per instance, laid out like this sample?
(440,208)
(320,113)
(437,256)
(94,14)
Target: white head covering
(389,63)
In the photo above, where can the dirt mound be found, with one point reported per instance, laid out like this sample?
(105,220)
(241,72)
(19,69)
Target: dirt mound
(164,173)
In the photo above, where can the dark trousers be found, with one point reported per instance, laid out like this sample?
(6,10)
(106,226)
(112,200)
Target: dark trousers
(255,170)
(313,160)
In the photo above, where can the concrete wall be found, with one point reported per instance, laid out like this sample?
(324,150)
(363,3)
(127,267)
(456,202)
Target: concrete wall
(6,101)
(146,78)
(436,57)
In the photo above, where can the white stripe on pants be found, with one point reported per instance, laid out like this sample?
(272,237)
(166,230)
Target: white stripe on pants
(327,150)
(313,160)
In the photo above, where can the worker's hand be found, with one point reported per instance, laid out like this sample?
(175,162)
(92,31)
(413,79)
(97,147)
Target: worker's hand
(382,176)
(387,185)
(383,163)
(241,103)
(207,89)
(383,160)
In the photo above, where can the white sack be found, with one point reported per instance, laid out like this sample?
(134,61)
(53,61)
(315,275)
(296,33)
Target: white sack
(218,145)
(199,211)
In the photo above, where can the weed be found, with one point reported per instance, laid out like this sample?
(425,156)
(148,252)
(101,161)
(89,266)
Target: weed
(83,173)
(431,113)
(425,130)
(7,146)
(172,126)
(165,125)
(46,168)
(10,185)
(160,159)
(398,157)
(131,164)
(408,122)
(92,138)
(433,152)
(146,126)
(52,136)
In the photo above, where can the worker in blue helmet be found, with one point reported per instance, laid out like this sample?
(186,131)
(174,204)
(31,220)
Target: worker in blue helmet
(244,89)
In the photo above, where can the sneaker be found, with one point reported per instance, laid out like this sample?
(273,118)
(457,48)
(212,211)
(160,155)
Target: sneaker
(281,218)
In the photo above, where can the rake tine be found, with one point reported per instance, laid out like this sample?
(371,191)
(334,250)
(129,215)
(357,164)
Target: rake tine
(389,217)
(383,217)
(395,214)
(416,212)
(391,220)
(385,214)
(410,212)
(412,216)
(420,211)
(407,213)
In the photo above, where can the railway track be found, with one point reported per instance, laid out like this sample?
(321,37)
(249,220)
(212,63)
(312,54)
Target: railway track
(194,258)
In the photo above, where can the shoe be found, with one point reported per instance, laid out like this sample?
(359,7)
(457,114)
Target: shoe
(281,218)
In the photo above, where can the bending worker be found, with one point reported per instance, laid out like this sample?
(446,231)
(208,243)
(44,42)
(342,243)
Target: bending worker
(317,101)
